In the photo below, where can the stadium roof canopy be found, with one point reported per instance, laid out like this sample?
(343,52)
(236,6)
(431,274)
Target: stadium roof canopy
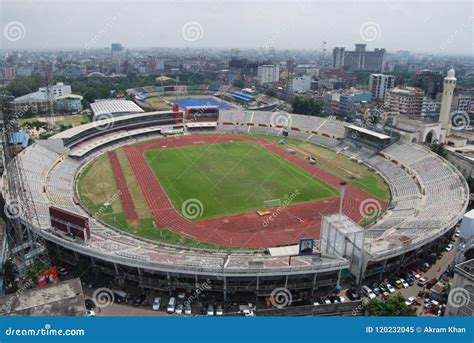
(368,132)
(106,122)
(114,108)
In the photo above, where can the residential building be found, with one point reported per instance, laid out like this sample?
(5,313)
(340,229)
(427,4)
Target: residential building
(268,73)
(407,101)
(379,84)
(301,83)
(69,103)
(430,81)
(349,99)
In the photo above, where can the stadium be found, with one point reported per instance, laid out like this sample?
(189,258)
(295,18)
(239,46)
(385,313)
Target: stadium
(402,208)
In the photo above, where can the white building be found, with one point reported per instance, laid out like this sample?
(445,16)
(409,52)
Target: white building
(268,73)
(379,84)
(301,83)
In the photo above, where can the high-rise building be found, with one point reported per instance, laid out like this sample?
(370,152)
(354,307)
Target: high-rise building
(379,84)
(407,101)
(430,81)
(449,84)
(360,59)
(116,49)
(268,73)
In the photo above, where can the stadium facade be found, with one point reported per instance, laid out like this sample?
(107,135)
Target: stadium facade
(429,197)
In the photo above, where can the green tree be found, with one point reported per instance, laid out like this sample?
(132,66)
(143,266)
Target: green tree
(438,149)
(238,83)
(393,306)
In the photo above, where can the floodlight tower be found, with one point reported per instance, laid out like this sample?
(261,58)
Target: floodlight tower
(26,247)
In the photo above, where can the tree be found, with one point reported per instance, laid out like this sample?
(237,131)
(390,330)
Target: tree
(438,149)
(393,306)
(238,83)
(308,106)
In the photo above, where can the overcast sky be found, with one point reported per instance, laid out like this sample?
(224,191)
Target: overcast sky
(421,26)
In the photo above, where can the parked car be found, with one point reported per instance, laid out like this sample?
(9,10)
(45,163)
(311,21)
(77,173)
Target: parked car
(342,299)
(324,301)
(410,301)
(219,311)
(210,310)
(62,271)
(431,283)
(398,284)
(377,291)
(187,309)
(179,309)
(90,304)
(425,267)
(171,305)
(449,247)
(137,301)
(352,294)
(181,296)
(368,292)
(90,313)
(404,283)
(422,281)
(390,288)
(156,304)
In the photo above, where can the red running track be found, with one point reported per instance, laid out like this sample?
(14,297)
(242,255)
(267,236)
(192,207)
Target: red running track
(125,197)
(286,226)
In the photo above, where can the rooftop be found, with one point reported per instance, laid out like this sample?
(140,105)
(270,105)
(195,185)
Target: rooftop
(62,299)
(114,107)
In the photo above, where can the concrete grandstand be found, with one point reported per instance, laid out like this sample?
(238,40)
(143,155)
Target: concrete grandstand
(429,197)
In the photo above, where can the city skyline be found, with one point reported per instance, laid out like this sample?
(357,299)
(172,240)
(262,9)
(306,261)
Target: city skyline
(297,25)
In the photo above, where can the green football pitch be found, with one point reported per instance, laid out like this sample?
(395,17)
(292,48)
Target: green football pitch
(231,178)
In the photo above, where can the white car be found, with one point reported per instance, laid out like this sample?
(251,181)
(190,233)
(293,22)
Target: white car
(390,288)
(156,304)
(404,283)
(342,299)
(449,247)
(90,313)
(210,310)
(219,311)
(410,301)
(456,234)
(179,309)
(368,292)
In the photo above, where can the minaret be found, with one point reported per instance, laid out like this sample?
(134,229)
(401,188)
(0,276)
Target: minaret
(448,90)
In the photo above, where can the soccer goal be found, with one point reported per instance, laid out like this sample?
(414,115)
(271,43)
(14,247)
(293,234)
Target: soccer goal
(272,203)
